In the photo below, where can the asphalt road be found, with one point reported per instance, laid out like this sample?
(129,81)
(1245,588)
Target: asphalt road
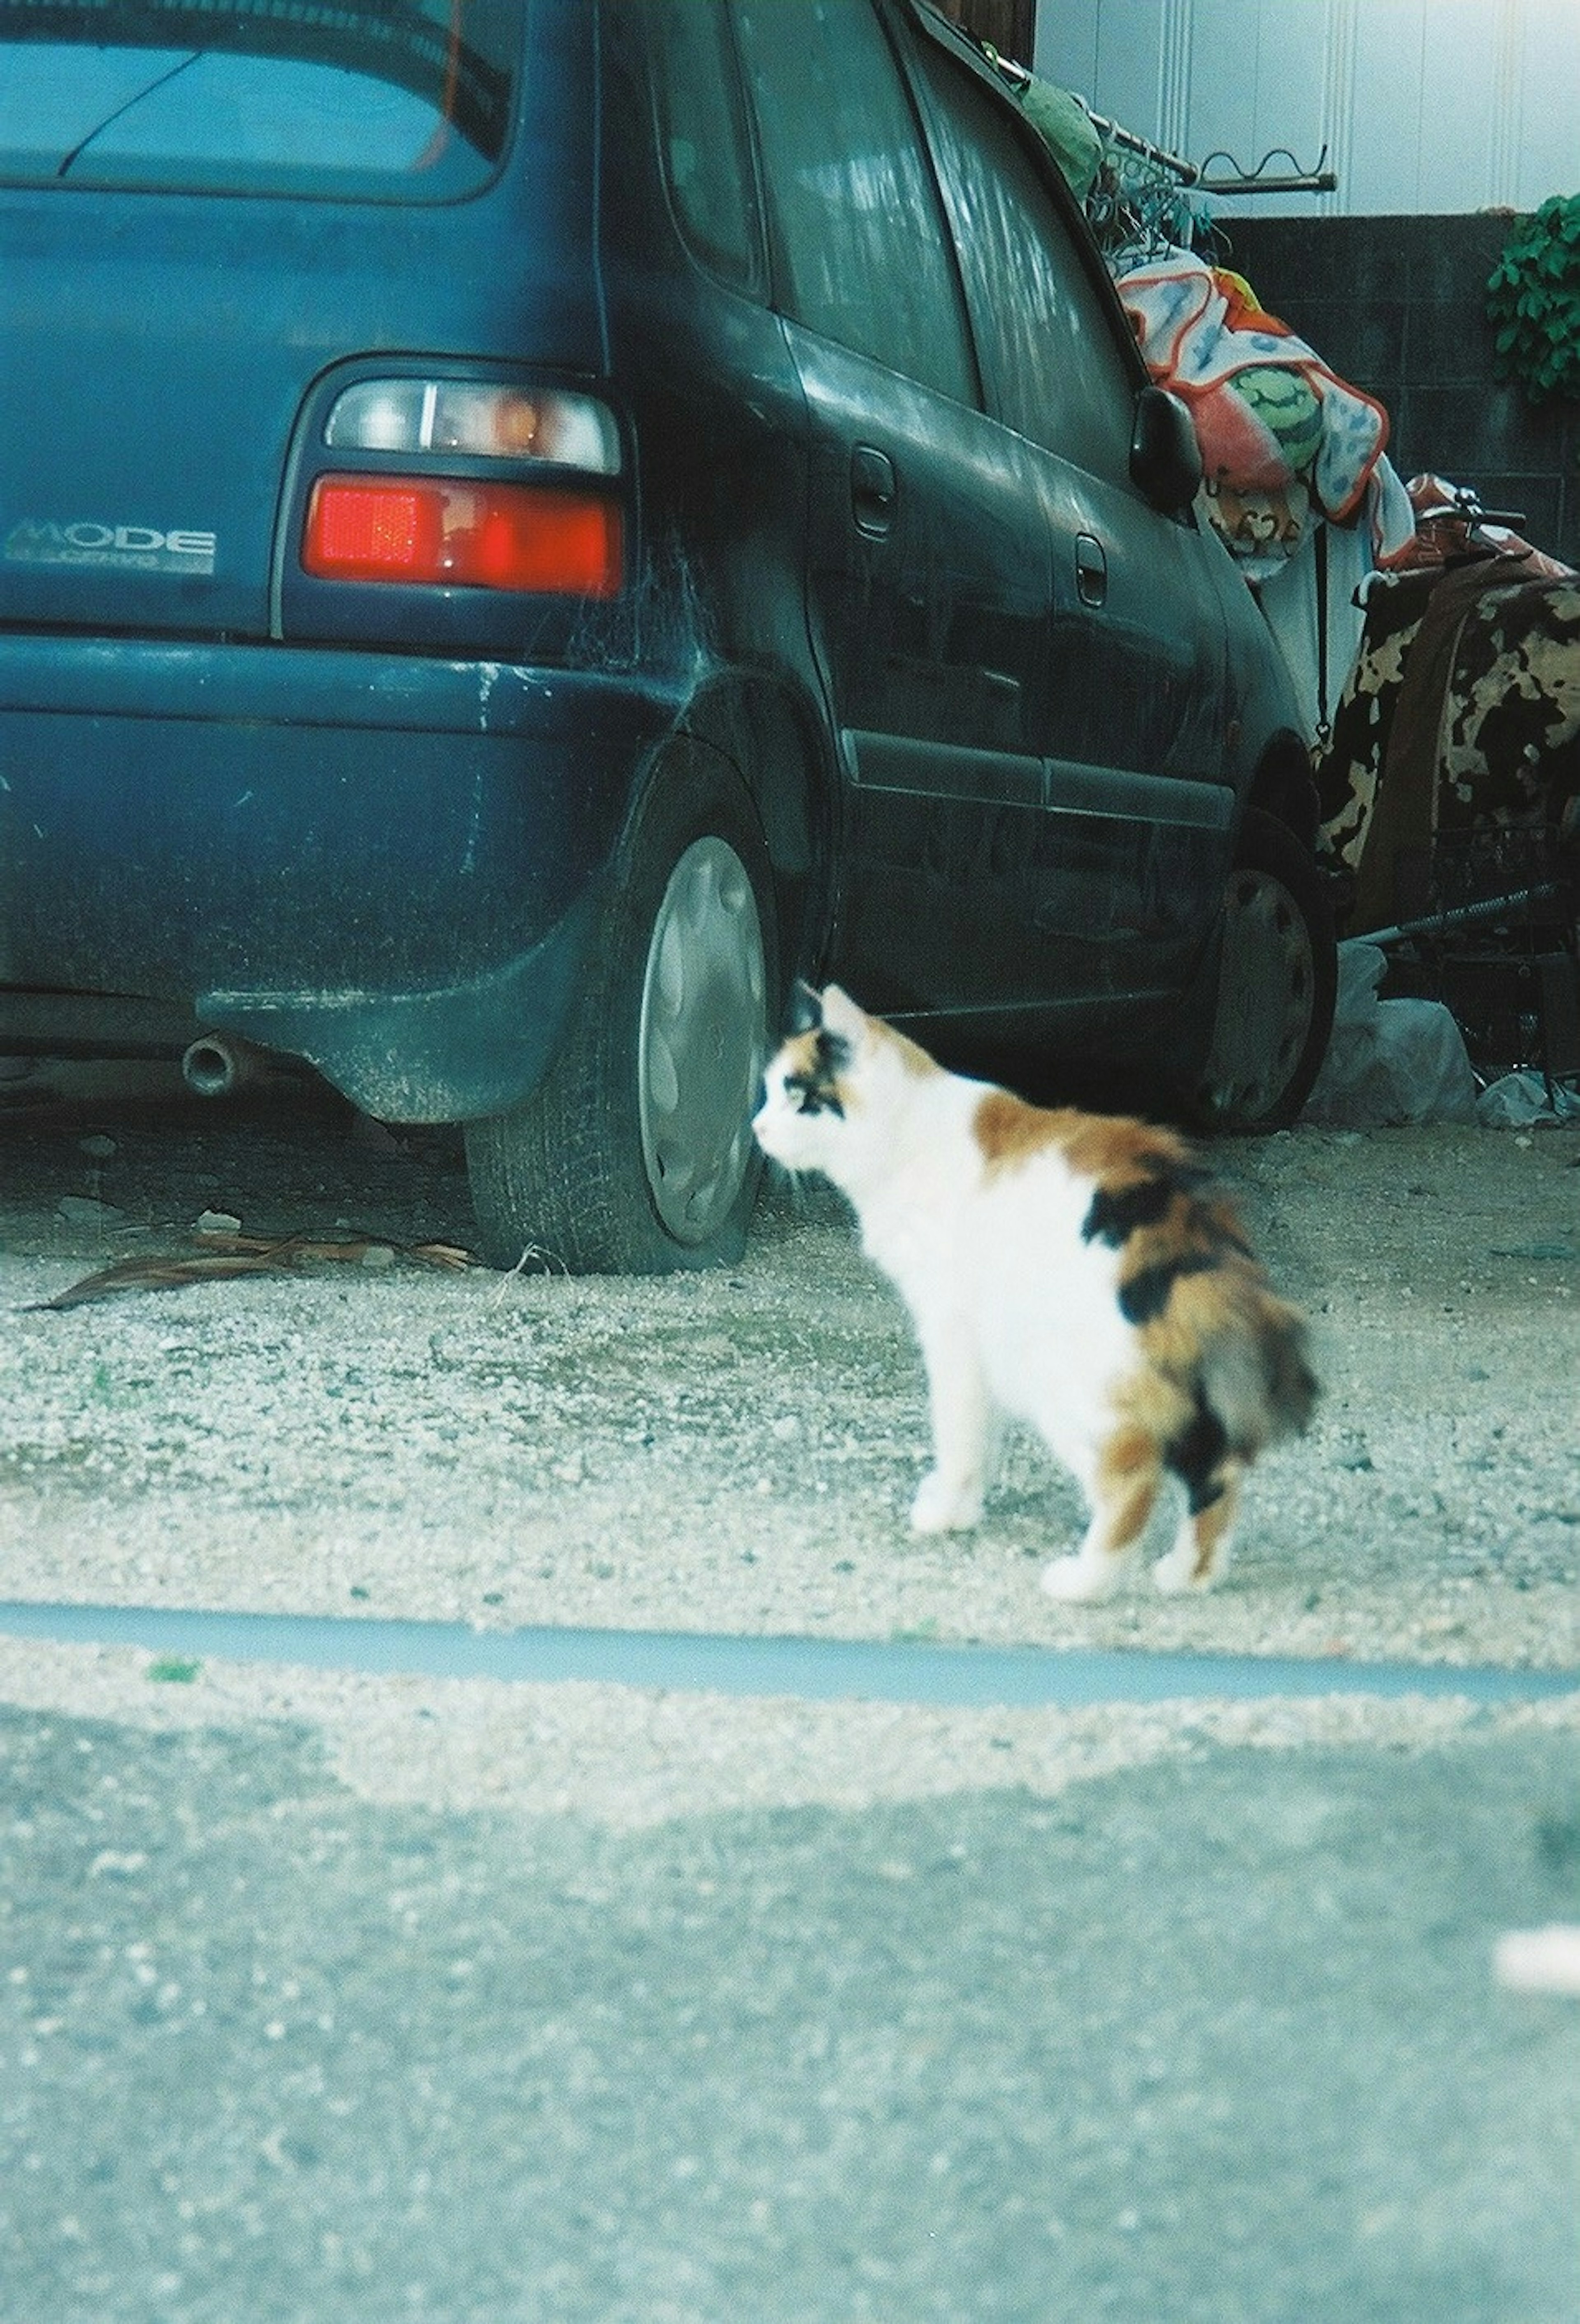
(1216,2040)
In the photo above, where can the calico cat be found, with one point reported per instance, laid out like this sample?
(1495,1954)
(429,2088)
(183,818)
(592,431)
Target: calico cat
(1068,1269)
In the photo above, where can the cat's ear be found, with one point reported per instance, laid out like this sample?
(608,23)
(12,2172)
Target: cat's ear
(806,1008)
(841,1015)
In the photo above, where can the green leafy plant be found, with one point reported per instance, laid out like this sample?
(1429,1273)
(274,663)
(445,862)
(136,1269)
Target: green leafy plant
(1533,300)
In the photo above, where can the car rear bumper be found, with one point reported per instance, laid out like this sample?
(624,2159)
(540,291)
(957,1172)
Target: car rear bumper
(384,863)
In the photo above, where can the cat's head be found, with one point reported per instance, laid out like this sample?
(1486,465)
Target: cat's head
(828,1090)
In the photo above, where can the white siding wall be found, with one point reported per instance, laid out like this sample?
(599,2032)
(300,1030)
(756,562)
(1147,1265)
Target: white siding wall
(1424,105)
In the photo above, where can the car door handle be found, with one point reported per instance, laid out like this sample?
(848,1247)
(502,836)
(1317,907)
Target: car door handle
(874,492)
(1091,570)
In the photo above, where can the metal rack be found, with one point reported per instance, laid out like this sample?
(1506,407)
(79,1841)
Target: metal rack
(1488,924)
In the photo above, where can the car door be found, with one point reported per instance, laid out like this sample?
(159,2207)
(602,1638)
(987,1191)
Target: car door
(929,584)
(1139,808)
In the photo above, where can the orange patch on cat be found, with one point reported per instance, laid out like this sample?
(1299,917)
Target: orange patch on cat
(1124,1453)
(1129,1472)
(1117,1151)
(1156,1402)
(1111,1150)
(1007,1130)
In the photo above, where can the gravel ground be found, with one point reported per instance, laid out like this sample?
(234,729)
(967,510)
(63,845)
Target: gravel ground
(736,1452)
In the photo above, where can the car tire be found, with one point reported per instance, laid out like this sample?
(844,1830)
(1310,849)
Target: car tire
(635,1155)
(1278,979)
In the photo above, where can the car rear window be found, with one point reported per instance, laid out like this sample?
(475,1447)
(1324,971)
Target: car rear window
(408,100)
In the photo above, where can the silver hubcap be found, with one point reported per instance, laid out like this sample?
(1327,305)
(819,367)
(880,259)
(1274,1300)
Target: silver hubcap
(1266,995)
(703,1041)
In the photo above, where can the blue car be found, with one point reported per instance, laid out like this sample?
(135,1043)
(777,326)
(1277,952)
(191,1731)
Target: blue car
(525,525)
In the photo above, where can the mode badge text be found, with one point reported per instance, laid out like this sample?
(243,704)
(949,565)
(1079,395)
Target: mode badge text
(119,548)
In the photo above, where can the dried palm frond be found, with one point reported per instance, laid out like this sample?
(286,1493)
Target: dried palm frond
(222,1257)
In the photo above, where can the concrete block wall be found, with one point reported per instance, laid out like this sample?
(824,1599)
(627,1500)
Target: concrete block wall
(1396,305)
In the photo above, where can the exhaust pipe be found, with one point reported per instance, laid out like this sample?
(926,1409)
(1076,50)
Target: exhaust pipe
(214,1066)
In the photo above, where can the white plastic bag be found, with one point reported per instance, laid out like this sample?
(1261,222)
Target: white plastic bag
(1389,1061)
(1520,1098)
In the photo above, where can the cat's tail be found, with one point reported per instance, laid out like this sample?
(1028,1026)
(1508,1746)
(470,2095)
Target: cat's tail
(1253,1372)
(1206,1316)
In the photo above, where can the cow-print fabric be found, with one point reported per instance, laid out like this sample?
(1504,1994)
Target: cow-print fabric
(1509,742)
(1348,768)
(1508,736)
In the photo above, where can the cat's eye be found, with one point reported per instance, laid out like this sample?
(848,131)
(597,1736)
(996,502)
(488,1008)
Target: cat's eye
(811,1096)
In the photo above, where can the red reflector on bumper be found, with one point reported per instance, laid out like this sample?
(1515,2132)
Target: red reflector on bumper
(428,530)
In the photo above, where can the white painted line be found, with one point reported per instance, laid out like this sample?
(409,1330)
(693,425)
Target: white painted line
(811,1668)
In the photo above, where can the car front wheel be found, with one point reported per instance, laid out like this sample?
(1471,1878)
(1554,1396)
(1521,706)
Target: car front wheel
(636,1156)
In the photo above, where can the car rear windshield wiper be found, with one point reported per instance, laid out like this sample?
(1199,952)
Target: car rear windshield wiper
(416,47)
(120,112)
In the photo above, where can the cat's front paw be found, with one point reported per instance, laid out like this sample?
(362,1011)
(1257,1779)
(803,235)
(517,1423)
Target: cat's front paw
(1079,1580)
(943,1507)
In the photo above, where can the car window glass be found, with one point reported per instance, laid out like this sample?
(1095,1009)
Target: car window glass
(707,159)
(248,96)
(861,239)
(1052,365)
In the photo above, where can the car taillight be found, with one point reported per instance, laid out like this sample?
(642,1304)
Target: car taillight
(553,538)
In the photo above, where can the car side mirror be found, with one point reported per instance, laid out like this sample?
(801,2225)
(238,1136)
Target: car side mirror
(1165,459)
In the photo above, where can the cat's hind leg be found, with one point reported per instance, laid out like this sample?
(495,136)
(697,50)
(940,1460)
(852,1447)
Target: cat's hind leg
(1200,1554)
(1123,1489)
(966,1432)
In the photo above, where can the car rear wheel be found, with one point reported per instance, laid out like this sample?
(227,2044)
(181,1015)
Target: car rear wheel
(636,1155)
(1276,985)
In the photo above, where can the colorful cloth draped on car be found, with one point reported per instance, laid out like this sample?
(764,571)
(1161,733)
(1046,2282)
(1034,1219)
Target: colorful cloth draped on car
(1282,436)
